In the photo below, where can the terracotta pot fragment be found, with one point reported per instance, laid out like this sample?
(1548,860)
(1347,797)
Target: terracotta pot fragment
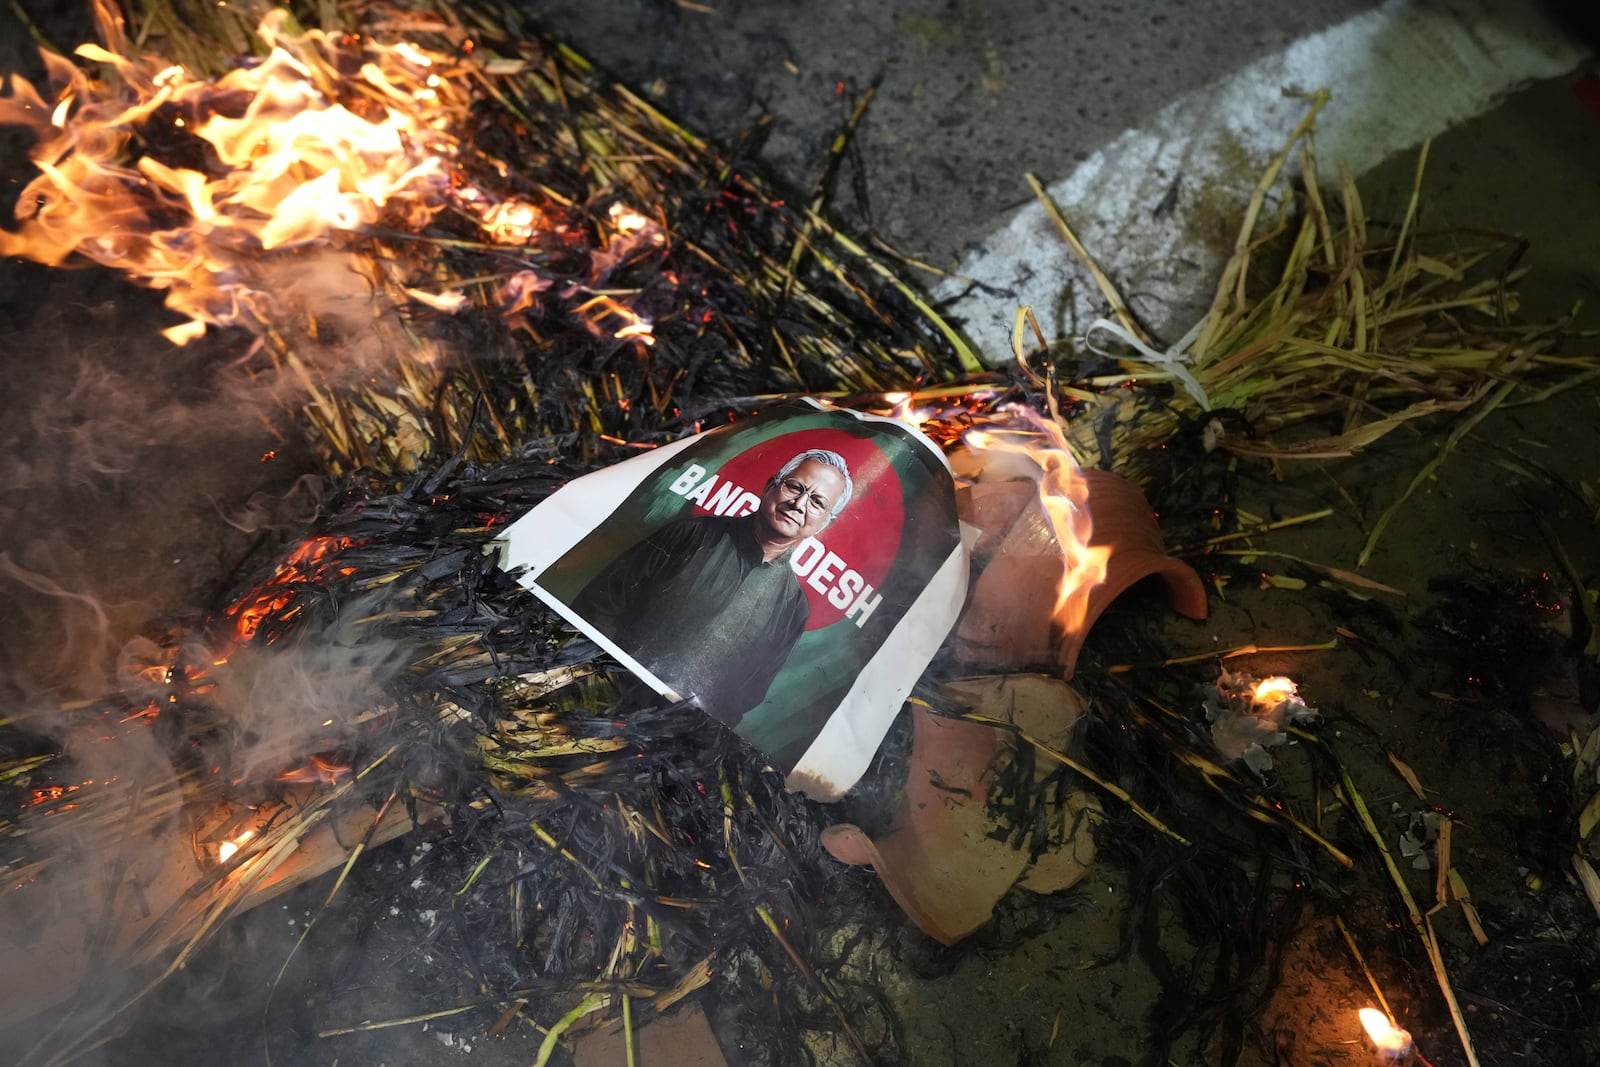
(1018,565)
(940,861)
(680,1038)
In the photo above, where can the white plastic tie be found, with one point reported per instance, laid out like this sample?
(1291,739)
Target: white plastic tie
(1173,361)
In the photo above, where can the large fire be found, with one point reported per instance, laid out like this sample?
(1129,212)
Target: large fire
(281,153)
(202,187)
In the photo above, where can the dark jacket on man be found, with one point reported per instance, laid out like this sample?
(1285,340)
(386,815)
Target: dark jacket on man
(697,605)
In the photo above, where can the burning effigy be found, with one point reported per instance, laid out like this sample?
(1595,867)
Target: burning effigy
(470,273)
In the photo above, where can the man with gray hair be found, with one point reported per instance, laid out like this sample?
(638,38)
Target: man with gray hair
(708,603)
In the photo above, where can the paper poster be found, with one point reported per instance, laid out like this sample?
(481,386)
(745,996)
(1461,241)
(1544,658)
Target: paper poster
(792,575)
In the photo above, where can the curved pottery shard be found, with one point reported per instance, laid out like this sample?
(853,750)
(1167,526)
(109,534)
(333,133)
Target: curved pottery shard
(940,861)
(1008,617)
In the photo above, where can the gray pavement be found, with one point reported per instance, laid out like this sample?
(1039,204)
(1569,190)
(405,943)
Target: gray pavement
(973,93)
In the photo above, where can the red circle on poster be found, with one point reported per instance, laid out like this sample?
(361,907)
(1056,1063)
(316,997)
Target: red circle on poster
(850,558)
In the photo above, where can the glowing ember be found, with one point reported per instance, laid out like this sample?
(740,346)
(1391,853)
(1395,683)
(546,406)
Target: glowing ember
(306,563)
(1386,1038)
(944,413)
(147,713)
(1042,454)
(518,294)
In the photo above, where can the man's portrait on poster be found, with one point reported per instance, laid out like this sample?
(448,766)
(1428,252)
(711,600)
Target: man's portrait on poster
(709,602)
(791,575)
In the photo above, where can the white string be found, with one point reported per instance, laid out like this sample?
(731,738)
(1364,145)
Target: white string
(1172,360)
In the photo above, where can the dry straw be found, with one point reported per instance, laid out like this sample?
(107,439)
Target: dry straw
(1327,336)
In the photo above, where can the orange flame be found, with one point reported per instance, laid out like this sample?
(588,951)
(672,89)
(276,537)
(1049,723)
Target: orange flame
(1064,495)
(605,316)
(319,769)
(944,414)
(228,849)
(1384,1035)
(325,134)
(213,190)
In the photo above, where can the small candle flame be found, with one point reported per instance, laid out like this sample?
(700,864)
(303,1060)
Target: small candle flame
(1270,691)
(1384,1035)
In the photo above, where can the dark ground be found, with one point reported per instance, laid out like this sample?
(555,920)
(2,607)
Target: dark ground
(135,478)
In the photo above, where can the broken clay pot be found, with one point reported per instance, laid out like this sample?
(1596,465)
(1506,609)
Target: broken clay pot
(941,861)
(1018,566)
(681,1038)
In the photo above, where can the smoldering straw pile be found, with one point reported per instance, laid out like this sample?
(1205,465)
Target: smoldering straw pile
(623,276)
(574,277)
